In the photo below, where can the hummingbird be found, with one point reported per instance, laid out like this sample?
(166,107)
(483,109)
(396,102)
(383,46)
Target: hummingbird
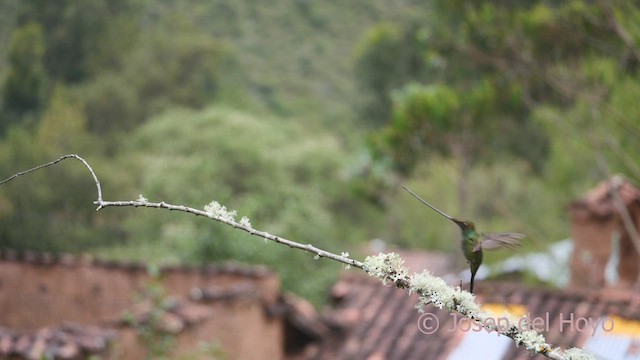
(473,242)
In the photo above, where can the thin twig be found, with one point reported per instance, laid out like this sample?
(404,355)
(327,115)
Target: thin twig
(74,156)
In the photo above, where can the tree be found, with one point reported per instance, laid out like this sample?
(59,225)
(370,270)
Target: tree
(501,62)
(25,85)
(175,69)
(82,38)
(388,57)
(26,219)
(240,159)
(166,70)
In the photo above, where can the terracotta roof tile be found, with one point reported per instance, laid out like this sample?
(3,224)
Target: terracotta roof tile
(598,202)
(234,292)
(68,341)
(71,260)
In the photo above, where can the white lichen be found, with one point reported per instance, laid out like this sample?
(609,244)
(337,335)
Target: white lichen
(434,290)
(345,254)
(386,267)
(578,354)
(142,198)
(465,303)
(532,341)
(515,323)
(215,210)
(245,222)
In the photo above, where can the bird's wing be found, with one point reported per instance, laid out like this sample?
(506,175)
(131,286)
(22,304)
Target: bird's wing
(497,240)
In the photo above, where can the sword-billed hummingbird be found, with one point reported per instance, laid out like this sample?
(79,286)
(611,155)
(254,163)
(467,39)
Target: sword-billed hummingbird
(473,242)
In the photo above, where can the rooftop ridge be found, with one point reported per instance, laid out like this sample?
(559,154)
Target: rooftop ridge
(598,201)
(610,293)
(66,341)
(74,260)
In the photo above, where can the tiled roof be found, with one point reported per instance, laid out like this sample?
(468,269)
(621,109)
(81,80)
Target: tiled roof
(598,201)
(46,258)
(68,341)
(371,321)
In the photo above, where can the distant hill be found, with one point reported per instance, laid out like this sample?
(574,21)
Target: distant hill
(295,56)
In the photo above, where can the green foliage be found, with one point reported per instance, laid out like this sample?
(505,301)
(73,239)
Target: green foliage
(510,65)
(595,136)
(506,197)
(386,58)
(174,70)
(24,87)
(440,119)
(158,341)
(423,115)
(50,210)
(286,183)
(166,70)
(8,20)
(532,81)
(210,350)
(111,104)
(492,113)
(82,37)
(292,56)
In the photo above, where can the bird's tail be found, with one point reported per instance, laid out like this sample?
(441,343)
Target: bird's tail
(473,275)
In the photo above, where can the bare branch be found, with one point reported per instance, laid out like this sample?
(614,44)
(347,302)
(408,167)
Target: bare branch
(263,234)
(162,205)
(69,156)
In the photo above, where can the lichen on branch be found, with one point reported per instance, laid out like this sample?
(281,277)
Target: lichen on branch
(389,268)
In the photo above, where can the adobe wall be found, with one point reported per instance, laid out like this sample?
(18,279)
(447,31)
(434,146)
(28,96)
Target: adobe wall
(592,248)
(41,292)
(595,219)
(629,266)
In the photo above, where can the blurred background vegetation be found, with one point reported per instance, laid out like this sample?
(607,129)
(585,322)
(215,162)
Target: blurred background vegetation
(306,116)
